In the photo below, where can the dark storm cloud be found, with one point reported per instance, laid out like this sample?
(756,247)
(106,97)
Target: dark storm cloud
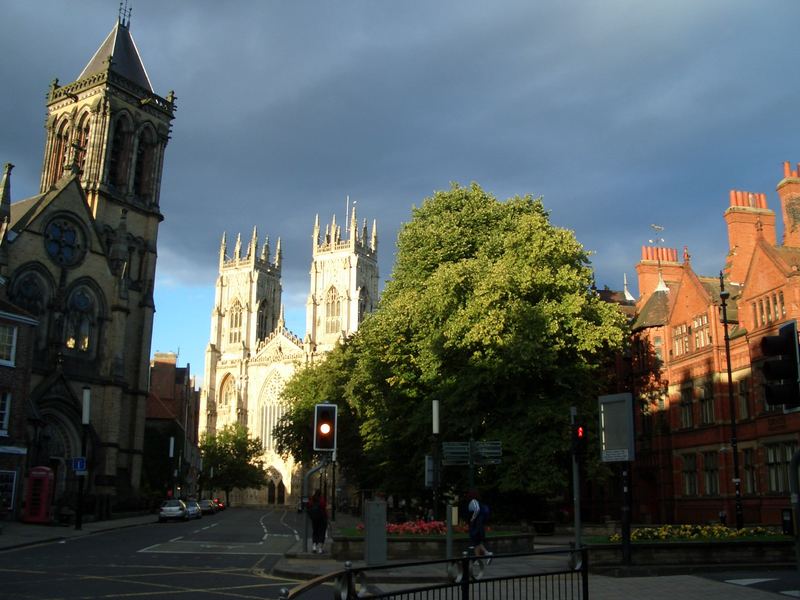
(620,113)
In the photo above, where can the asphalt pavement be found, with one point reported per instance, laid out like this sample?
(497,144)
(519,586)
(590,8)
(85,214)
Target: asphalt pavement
(300,565)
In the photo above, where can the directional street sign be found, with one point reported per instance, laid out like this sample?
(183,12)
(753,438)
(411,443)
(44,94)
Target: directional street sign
(481,453)
(79,465)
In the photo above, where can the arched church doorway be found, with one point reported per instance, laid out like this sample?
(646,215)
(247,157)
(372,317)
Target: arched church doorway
(271,492)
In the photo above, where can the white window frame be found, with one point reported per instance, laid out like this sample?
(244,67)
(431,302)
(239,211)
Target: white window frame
(5,412)
(10,362)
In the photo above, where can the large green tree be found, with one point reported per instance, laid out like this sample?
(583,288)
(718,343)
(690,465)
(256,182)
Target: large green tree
(491,311)
(230,460)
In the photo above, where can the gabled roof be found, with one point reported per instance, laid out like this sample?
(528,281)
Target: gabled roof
(654,313)
(25,211)
(126,61)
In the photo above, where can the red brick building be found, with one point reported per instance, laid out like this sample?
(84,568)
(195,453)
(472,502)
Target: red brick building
(17,334)
(684,467)
(172,412)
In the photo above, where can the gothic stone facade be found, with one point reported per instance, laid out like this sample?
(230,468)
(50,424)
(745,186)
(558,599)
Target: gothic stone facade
(252,354)
(81,257)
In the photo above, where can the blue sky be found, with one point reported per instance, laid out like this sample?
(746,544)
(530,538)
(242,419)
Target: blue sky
(619,113)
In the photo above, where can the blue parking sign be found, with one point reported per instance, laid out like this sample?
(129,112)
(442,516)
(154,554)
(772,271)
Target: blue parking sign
(79,463)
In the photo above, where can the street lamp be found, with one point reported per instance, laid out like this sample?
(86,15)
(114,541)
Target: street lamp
(723,296)
(85,412)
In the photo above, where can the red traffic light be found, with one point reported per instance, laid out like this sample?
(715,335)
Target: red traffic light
(325,416)
(579,432)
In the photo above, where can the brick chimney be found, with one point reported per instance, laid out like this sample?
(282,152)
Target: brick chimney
(655,259)
(789,192)
(748,219)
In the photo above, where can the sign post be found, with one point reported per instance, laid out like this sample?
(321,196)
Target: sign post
(617,443)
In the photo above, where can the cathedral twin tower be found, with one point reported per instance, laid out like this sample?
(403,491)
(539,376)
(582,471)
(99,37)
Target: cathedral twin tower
(251,353)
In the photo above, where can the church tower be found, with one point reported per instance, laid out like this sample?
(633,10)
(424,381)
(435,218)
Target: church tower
(111,129)
(247,309)
(80,257)
(344,282)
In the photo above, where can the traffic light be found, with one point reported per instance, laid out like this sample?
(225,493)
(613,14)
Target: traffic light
(780,369)
(325,427)
(578,438)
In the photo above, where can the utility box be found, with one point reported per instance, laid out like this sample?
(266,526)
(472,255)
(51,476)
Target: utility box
(375,532)
(787,521)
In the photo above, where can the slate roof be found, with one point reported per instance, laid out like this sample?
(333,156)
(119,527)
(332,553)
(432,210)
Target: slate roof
(654,313)
(126,60)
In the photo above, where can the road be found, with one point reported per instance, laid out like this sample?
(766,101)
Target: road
(227,555)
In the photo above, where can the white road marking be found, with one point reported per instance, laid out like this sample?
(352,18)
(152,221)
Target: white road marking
(748,581)
(180,537)
(792,593)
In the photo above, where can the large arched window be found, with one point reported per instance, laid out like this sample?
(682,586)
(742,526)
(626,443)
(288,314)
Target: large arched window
(333,311)
(364,304)
(59,152)
(143,171)
(235,323)
(271,411)
(227,395)
(32,292)
(264,327)
(82,138)
(81,321)
(119,157)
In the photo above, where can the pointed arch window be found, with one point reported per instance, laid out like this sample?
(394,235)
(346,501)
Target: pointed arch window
(264,327)
(235,323)
(119,157)
(333,311)
(80,321)
(31,292)
(227,395)
(59,153)
(364,305)
(143,171)
(83,140)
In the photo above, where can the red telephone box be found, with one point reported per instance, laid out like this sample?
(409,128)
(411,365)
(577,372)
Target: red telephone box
(37,495)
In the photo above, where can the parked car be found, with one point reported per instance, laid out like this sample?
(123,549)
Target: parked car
(172,509)
(193,510)
(220,504)
(208,507)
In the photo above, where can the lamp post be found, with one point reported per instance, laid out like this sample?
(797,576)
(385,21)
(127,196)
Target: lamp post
(436,474)
(723,296)
(85,412)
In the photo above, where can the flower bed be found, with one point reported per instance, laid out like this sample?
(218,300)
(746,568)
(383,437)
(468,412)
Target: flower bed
(419,527)
(704,533)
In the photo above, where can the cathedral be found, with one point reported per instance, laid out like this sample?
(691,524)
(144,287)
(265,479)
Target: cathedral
(80,257)
(251,353)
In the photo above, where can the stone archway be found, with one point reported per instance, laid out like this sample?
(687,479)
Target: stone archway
(281,493)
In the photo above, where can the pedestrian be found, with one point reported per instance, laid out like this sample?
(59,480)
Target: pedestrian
(318,513)
(479,513)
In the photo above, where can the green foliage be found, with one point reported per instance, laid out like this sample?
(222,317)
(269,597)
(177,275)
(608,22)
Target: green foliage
(231,456)
(491,311)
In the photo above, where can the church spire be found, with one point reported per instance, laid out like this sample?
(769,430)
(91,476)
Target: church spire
(252,250)
(265,249)
(278,253)
(223,248)
(374,241)
(237,249)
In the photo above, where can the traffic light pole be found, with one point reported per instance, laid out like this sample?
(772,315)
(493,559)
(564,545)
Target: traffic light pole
(576,483)
(723,296)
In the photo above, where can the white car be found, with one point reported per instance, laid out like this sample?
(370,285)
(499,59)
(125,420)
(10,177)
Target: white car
(172,509)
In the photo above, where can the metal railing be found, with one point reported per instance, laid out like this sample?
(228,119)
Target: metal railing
(543,575)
